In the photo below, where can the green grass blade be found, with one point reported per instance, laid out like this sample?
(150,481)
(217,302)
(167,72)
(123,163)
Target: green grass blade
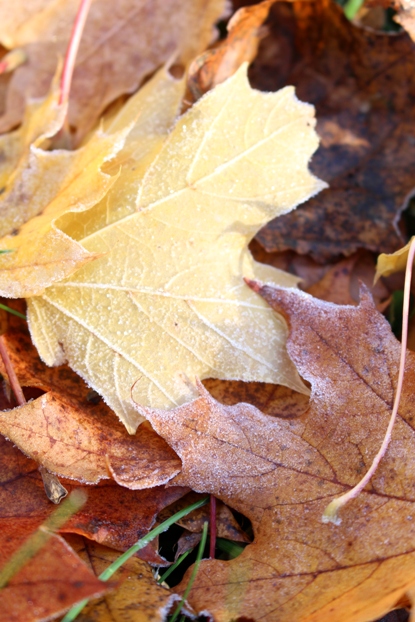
(37,540)
(12,311)
(174,566)
(140,544)
(351,8)
(194,572)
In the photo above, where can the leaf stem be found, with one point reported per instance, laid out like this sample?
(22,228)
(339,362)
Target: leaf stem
(14,382)
(72,50)
(140,544)
(331,512)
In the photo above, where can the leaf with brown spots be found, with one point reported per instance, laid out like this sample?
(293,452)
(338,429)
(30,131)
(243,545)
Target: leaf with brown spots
(72,436)
(282,475)
(362,84)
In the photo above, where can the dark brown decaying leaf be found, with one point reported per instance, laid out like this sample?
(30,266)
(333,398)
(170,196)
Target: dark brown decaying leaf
(362,84)
(72,436)
(121,45)
(226,524)
(282,474)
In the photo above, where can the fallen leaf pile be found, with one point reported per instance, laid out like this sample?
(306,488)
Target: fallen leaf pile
(188,217)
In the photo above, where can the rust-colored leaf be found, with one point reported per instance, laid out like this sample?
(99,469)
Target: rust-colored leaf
(112,515)
(282,475)
(362,84)
(55,578)
(50,583)
(121,45)
(341,282)
(216,65)
(70,435)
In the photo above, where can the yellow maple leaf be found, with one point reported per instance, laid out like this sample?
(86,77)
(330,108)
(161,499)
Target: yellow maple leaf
(166,301)
(41,186)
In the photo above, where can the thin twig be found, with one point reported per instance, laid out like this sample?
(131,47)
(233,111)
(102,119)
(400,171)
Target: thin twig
(330,513)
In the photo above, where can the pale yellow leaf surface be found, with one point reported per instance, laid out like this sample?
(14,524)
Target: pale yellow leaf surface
(166,301)
(50,184)
(390,263)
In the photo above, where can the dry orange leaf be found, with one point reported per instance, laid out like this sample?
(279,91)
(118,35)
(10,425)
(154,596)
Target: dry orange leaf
(282,475)
(72,436)
(121,45)
(241,45)
(138,598)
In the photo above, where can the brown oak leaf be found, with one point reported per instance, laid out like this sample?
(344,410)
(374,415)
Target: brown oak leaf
(362,85)
(282,475)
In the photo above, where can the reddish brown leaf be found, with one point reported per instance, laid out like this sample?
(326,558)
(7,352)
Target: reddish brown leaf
(112,515)
(362,84)
(341,282)
(74,437)
(50,583)
(282,475)
(55,578)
